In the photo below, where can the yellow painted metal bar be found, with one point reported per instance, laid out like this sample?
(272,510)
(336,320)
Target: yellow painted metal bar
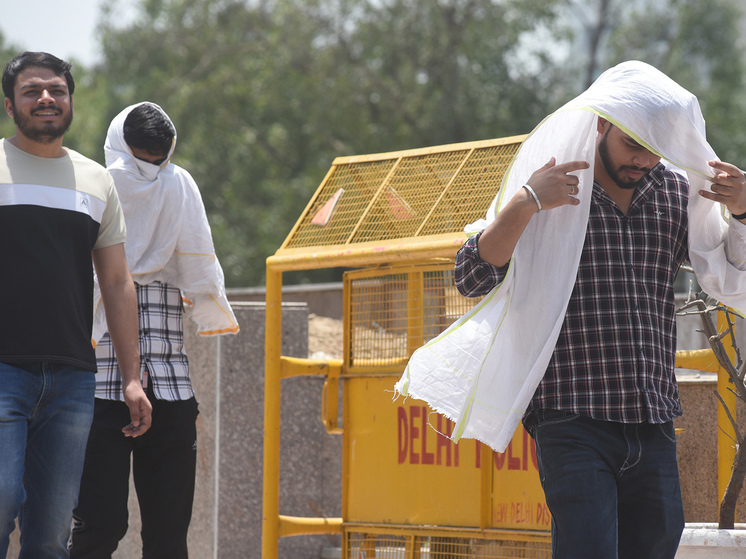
(298,367)
(332,370)
(447,531)
(697,360)
(346,349)
(726,433)
(367,254)
(330,402)
(272,386)
(368,546)
(301,526)
(415,311)
(485,494)
(414,552)
(373,373)
(376,370)
(445,148)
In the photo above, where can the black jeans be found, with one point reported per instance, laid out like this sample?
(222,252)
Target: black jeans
(163,465)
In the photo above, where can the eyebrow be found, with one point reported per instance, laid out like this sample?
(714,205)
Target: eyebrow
(45,85)
(631,140)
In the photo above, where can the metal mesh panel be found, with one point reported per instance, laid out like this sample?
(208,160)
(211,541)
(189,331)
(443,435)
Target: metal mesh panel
(378,319)
(360,183)
(405,201)
(380,546)
(472,190)
(393,312)
(410,194)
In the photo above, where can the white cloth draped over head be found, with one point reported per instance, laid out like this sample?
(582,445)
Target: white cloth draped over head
(483,370)
(168,235)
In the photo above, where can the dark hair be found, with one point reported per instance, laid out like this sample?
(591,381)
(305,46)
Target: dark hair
(146,127)
(31,60)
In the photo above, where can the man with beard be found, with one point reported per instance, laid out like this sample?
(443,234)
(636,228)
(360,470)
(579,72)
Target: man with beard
(60,217)
(605,397)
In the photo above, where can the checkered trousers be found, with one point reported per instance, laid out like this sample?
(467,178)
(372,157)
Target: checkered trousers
(163,359)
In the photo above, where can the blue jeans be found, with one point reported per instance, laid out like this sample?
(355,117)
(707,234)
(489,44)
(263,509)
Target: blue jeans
(612,488)
(45,414)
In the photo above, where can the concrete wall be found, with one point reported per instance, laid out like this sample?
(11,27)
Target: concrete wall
(697,450)
(323,299)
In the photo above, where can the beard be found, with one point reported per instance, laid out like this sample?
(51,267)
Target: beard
(615,173)
(47,132)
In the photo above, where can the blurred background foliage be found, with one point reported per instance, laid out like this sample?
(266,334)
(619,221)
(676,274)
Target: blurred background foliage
(266,93)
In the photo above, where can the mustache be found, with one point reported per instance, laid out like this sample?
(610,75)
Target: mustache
(46,109)
(635,168)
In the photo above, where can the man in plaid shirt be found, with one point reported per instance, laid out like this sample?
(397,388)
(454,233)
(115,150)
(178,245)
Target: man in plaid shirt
(602,415)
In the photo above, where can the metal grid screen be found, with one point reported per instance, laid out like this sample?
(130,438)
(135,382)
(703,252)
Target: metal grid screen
(386,546)
(393,312)
(409,194)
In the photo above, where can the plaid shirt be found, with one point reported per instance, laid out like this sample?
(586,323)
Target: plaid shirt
(163,359)
(614,358)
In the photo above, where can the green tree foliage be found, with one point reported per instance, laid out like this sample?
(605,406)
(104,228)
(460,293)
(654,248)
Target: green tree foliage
(698,43)
(7,51)
(265,94)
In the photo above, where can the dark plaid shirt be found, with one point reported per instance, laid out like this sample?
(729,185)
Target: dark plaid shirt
(614,359)
(163,359)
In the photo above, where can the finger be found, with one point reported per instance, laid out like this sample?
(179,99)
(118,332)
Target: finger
(549,164)
(135,430)
(137,413)
(570,166)
(717,195)
(129,429)
(729,169)
(726,179)
(132,431)
(710,195)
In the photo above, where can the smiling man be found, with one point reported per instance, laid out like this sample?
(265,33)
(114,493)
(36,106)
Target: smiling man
(60,217)
(42,110)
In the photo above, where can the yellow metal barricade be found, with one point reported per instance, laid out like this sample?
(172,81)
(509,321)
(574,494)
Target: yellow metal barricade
(405,468)
(408,490)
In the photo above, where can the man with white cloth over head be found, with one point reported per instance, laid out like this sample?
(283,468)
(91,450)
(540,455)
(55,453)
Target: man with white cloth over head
(170,253)
(577,259)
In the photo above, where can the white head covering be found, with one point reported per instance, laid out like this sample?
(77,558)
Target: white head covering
(168,235)
(483,371)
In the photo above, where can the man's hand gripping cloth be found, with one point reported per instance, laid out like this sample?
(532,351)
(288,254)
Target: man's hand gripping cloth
(168,235)
(483,370)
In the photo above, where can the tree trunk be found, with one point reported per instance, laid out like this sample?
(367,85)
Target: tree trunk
(727,515)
